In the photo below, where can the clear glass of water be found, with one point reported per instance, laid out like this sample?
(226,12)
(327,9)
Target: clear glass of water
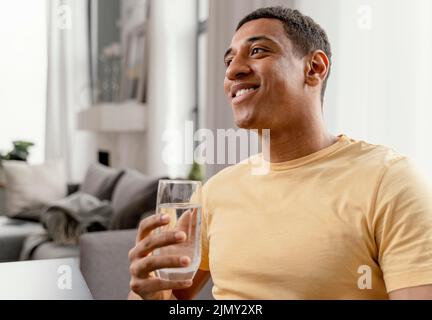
(181,200)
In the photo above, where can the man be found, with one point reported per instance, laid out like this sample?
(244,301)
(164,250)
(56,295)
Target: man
(334,218)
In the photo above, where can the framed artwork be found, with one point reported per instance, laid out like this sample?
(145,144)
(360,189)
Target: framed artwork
(134,69)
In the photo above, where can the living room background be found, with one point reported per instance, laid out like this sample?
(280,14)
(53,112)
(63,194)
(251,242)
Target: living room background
(105,80)
(191,72)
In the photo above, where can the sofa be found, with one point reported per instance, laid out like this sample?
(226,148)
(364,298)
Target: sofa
(132,196)
(105,265)
(103,259)
(103,255)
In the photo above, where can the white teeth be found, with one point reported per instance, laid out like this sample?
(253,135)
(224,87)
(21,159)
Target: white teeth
(243,91)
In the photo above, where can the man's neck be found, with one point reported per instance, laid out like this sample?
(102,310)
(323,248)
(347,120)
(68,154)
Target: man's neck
(296,143)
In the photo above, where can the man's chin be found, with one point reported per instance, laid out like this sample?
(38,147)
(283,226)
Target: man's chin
(248,123)
(245,117)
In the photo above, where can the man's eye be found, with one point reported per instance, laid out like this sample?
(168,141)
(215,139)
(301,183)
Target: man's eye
(257,50)
(228,62)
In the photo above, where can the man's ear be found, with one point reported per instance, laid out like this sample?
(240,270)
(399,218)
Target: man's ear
(317,68)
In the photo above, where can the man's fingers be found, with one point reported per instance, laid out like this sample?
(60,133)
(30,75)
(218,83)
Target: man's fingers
(188,221)
(148,224)
(142,267)
(194,218)
(149,286)
(184,221)
(154,241)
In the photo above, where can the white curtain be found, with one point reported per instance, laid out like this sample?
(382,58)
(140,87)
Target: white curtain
(380,88)
(171,85)
(68,86)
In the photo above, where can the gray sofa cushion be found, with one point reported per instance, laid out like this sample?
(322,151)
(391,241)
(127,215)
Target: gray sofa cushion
(13,232)
(105,263)
(30,214)
(50,250)
(134,195)
(40,246)
(100,181)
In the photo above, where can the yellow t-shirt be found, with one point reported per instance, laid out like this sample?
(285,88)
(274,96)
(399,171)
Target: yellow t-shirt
(351,221)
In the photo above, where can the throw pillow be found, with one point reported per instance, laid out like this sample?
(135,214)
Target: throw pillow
(134,195)
(100,181)
(31,187)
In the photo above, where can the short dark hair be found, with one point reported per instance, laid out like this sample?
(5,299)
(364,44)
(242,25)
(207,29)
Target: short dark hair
(305,34)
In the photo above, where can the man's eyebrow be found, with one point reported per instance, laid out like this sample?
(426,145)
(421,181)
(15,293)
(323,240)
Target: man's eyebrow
(251,40)
(258,38)
(227,52)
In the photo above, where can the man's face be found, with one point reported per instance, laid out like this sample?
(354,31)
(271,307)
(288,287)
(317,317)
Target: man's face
(264,79)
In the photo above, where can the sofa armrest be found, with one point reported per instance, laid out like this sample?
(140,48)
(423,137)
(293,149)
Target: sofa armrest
(13,233)
(105,264)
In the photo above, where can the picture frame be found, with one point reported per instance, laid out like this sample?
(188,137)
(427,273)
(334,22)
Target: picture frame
(135,65)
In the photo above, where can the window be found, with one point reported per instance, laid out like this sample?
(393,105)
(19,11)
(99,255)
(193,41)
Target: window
(23,66)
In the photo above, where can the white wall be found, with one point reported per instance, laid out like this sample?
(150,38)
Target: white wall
(380,87)
(23,66)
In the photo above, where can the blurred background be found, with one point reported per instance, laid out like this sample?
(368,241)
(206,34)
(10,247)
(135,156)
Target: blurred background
(103,80)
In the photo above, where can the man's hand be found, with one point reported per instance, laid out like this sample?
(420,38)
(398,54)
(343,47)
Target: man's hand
(143,264)
(413,293)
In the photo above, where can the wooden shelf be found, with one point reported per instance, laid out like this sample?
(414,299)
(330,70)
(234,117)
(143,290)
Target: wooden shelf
(113,117)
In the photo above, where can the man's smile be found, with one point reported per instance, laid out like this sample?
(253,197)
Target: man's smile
(243,91)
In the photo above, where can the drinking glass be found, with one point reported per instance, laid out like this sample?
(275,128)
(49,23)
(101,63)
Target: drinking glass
(181,200)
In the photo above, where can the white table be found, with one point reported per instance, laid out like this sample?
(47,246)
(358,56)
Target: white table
(57,279)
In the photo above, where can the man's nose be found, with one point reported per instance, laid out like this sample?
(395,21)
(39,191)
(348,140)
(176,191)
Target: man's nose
(237,68)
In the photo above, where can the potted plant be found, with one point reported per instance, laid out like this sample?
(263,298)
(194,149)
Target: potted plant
(196,173)
(20,152)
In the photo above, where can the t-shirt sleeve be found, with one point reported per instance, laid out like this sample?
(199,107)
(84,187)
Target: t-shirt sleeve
(204,227)
(403,226)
